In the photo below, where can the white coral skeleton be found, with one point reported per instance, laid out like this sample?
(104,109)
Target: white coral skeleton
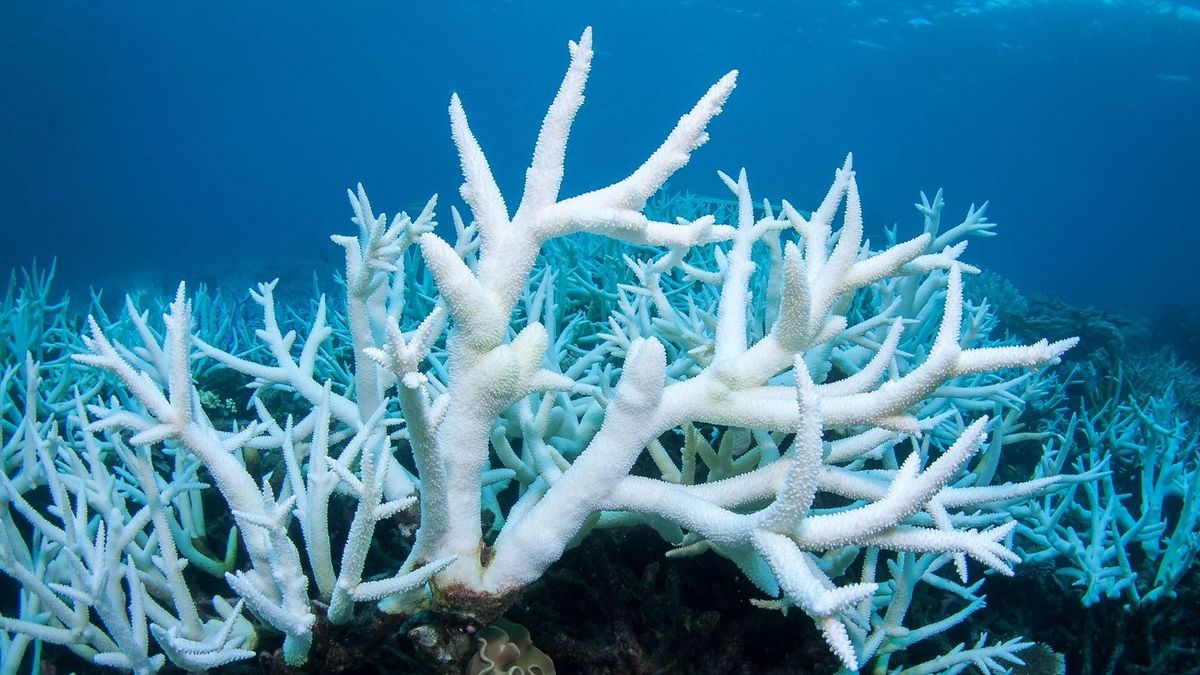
(712,342)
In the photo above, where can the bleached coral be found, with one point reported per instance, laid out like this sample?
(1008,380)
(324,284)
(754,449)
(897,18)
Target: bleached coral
(772,370)
(1134,534)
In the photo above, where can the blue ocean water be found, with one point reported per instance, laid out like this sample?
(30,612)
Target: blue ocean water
(155,140)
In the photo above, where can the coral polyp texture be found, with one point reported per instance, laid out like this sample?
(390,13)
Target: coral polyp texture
(754,382)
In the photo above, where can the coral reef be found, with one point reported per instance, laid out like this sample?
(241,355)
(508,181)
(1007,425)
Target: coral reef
(737,377)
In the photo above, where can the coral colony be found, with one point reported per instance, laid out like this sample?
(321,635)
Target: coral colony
(752,382)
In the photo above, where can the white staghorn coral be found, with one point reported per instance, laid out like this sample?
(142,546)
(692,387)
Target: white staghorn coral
(771,399)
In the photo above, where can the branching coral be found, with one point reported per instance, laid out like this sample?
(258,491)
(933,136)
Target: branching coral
(770,369)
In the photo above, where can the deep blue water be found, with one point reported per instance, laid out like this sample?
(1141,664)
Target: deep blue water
(158,138)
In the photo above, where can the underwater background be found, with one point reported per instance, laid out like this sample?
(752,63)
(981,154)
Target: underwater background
(144,143)
(159,138)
